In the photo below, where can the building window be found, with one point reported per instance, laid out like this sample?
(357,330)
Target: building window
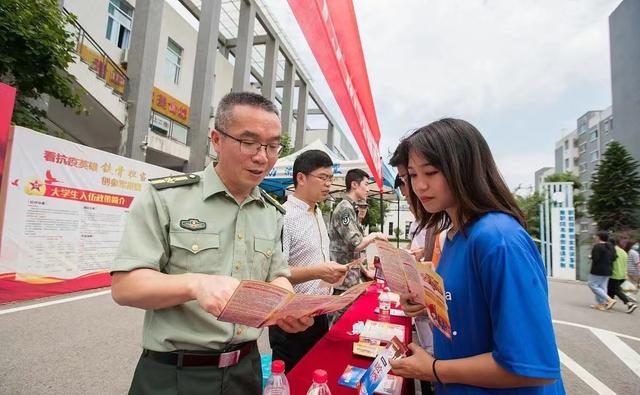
(583,148)
(606,127)
(595,155)
(168,127)
(173,59)
(119,23)
(583,167)
(593,136)
(566,163)
(566,145)
(390,228)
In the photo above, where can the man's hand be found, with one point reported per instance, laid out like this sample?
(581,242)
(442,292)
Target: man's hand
(417,366)
(412,309)
(331,272)
(294,325)
(213,292)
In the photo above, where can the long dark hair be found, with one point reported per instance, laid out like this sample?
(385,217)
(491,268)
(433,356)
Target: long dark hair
(458,150)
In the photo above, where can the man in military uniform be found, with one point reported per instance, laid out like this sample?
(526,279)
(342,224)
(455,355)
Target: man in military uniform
(188,242)
(363,207)
(347,240)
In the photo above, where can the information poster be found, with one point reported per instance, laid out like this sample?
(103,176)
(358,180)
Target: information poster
(65,209)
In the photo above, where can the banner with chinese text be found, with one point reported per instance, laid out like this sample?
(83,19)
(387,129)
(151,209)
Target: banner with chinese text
(65,209)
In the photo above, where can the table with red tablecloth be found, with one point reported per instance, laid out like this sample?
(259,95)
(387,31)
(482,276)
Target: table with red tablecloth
(335,350)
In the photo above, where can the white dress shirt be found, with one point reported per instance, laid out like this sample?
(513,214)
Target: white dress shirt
(305,241)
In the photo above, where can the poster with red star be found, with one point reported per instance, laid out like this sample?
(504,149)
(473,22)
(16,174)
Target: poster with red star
(64,212)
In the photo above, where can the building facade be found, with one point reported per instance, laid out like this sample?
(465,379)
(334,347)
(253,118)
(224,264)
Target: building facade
(154,71)
(624,31)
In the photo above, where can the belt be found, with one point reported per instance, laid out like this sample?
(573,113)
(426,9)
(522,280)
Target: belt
(189,358)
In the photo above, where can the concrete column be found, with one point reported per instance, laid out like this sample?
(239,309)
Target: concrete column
(202,87)
(287,96)
(242,67)
(330,136)
(301,117)
(143,54)
(270,68)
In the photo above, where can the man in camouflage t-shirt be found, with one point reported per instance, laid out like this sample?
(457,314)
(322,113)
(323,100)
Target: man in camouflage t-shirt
(347,240)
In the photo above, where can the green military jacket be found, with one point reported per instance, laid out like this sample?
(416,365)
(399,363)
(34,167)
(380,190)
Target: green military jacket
(345,235)
(200,228)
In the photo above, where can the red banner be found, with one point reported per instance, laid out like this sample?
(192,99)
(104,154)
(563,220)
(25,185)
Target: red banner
(335,43)
(7,99)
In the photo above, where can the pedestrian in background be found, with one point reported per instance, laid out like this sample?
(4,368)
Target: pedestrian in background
(618,276)
(602,256)
(633,262)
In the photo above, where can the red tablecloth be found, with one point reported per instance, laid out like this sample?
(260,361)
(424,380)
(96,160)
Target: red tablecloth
(334,351)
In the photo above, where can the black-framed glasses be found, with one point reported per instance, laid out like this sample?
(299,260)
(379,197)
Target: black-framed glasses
(323,177)
(251,147)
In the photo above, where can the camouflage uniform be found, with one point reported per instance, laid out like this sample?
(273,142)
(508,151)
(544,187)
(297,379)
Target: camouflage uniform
(345,236)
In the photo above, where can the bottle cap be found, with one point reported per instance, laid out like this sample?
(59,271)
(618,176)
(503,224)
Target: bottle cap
(320,376)
(277,366)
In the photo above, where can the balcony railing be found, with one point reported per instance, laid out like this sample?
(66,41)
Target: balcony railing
(97,59)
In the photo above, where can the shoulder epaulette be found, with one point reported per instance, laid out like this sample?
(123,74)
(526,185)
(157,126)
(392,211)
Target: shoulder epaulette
(272,201)
(174,181)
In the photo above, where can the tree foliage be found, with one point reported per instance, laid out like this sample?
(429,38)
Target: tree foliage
(373,214)
(578,197)
(530,206)
(35,50)
(615,199)
(287,149)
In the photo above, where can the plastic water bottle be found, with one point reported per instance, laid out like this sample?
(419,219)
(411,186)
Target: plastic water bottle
(319,386)
(277,383)
(384,307)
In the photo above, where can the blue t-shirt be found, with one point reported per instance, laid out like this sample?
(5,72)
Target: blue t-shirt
(498,302)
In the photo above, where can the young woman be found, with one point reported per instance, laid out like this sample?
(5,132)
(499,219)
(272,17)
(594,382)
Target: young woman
(602,256)
(502,336)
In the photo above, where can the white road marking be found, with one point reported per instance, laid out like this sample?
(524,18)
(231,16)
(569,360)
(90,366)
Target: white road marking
(591,328)
(598,386)
(620,349)
(53,302)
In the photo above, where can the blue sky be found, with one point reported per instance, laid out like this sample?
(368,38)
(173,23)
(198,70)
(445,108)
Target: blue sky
(520,71)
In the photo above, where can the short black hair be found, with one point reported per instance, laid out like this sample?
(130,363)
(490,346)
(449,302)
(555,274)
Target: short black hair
(309,161)
(400,156)
(356,175)
(398,182)
(230,100)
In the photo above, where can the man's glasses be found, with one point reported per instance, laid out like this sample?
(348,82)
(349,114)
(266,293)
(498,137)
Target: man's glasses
(251,147)
(323,177)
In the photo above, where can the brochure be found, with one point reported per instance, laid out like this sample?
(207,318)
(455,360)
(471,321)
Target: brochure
(258,304)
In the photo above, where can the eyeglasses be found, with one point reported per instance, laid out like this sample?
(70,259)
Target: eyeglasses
(323,177)
(251,147)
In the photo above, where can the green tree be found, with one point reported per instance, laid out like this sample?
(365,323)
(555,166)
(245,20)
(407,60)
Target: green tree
(373,214)
(578,197)
(35,50)
(615,185)
(530,206)
(287,149)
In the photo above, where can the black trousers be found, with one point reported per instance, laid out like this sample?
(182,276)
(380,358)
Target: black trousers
(613,290)
(291,347)
(156,378)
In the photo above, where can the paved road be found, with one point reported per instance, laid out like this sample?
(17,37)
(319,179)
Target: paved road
(90,345)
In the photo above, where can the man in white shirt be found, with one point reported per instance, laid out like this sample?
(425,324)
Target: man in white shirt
(306,243)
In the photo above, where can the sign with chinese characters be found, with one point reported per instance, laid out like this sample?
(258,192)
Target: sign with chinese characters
(169,106)
(105,70)
(563,239)
(66,206)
